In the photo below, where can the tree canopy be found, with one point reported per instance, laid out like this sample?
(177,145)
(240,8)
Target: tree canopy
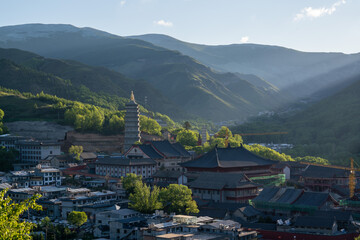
(11,227)
(7,159)
(144,199)
(174,198)
(129,182)
(3,129)
(149,125)
(268,153)
(77,218)
(187,125)
(177,198)
(187,137)
(76,150)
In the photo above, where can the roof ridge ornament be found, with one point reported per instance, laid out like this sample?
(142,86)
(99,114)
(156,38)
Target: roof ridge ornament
(217,156)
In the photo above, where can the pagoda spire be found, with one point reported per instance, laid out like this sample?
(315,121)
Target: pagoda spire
(132,97)
(132,123)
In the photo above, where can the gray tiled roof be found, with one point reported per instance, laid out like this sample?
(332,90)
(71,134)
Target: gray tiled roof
(289,196)
(250,211)
(166,148)
(266,194)
(228,158)
(337,214)
(324,172)
(314,222)
(209,180)
(292,196)
(181,149)
(315,199)
(124,161)
(150,151)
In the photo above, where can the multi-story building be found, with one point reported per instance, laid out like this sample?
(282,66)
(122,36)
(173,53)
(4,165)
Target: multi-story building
(8,141)
(90,200)
(45,176)
(120,166)
(30,151)
(104,218)
(34,151)
(127,228)
(167,155)
(132,123)
(39,176)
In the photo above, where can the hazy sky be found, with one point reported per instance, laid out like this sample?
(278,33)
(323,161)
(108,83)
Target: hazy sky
(316,25)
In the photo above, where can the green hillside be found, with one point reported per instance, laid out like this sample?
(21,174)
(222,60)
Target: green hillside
(188,84)
(83,82)
(327,129)
(83,117)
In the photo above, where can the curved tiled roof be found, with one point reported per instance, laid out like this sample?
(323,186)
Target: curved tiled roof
(228,158)
(149,150)
(266,194)
(166,148)
(289,196)
(315,199)
(212,180)
(324,172)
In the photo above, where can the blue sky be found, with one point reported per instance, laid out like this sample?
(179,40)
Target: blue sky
(316,25)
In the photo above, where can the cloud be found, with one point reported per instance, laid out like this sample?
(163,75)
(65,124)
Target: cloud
(122,3)
(312,13)
(163,23)
(244,39)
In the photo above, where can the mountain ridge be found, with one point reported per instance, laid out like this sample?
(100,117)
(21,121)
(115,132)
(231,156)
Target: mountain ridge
(199,90)
(278,65)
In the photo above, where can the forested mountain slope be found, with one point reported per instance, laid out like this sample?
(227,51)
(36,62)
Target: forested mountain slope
(187,83)
(328,128)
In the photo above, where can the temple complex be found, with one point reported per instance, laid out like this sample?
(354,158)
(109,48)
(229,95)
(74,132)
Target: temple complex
(230,159)
(132,123)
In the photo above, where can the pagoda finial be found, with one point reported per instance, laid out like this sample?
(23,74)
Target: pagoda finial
(132,98)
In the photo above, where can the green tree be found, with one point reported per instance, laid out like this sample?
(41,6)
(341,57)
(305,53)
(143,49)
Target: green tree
(268,153)
(11,227)
(129,182)
(46,224)
(219,142)
(187,138)
(3,129)
(187,125)
(224,132)
(149,125)
(76,150)
(7,159)
(143,199)
(312,159)
(77,218)
(235,141)
(116,124)
(177,198)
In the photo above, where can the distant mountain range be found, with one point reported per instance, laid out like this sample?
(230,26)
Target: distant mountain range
(186,83)
(280,66)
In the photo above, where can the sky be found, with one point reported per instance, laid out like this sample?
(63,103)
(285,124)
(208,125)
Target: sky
(312,26)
